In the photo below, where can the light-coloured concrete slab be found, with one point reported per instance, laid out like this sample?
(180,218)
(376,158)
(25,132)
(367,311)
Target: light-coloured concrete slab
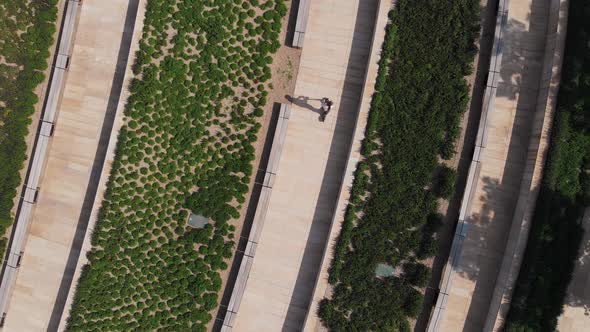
(514,132)
(137,28)
(66,176)
(322,287)
(288,256)
(548,72)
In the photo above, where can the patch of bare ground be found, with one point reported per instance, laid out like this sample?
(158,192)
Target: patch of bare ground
(285,67)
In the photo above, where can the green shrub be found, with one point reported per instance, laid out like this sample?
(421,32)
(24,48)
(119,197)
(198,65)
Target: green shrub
(391,216)
(417,274)
(148,270)
(445,183)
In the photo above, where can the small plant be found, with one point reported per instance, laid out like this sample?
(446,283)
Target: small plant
(186,146)
(444,185)
(392,215)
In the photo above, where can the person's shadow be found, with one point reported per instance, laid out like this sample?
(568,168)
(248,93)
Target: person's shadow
(303,101)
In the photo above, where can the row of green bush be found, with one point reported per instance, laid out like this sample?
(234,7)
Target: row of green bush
(26,33)
(192,118)
(556,230)
(414,119)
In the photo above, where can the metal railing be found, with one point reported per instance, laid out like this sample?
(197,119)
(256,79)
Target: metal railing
(31,187)
(259,217)
(493,76)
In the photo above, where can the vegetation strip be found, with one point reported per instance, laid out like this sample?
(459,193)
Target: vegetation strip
(186,147)
(414,118)
(26,33)
(556,231)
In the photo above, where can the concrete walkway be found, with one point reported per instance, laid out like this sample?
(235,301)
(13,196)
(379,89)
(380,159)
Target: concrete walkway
(322,288)
(288,256)
(509,157)
(68,185)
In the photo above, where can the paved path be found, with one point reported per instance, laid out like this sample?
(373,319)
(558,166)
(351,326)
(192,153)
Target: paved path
(322,288)
(90,92)
(505,182)
(288,256)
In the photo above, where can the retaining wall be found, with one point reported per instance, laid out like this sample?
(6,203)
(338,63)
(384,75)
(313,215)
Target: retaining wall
(40,152)
(486,206)
(536,157)
(259,217)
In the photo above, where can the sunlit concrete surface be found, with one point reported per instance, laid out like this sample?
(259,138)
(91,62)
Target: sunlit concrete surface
(109,156)
(37,140)
(288,256)
(538,149)
(322,288)
(503,185)
(90,92)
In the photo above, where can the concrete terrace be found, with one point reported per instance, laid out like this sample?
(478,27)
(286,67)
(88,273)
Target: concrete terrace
(288,255)
(322,287)
(68,184)
(507,167)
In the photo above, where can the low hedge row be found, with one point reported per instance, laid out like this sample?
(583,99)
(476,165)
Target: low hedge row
(414,119)
(26,33)
(556,231)
(186,146)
